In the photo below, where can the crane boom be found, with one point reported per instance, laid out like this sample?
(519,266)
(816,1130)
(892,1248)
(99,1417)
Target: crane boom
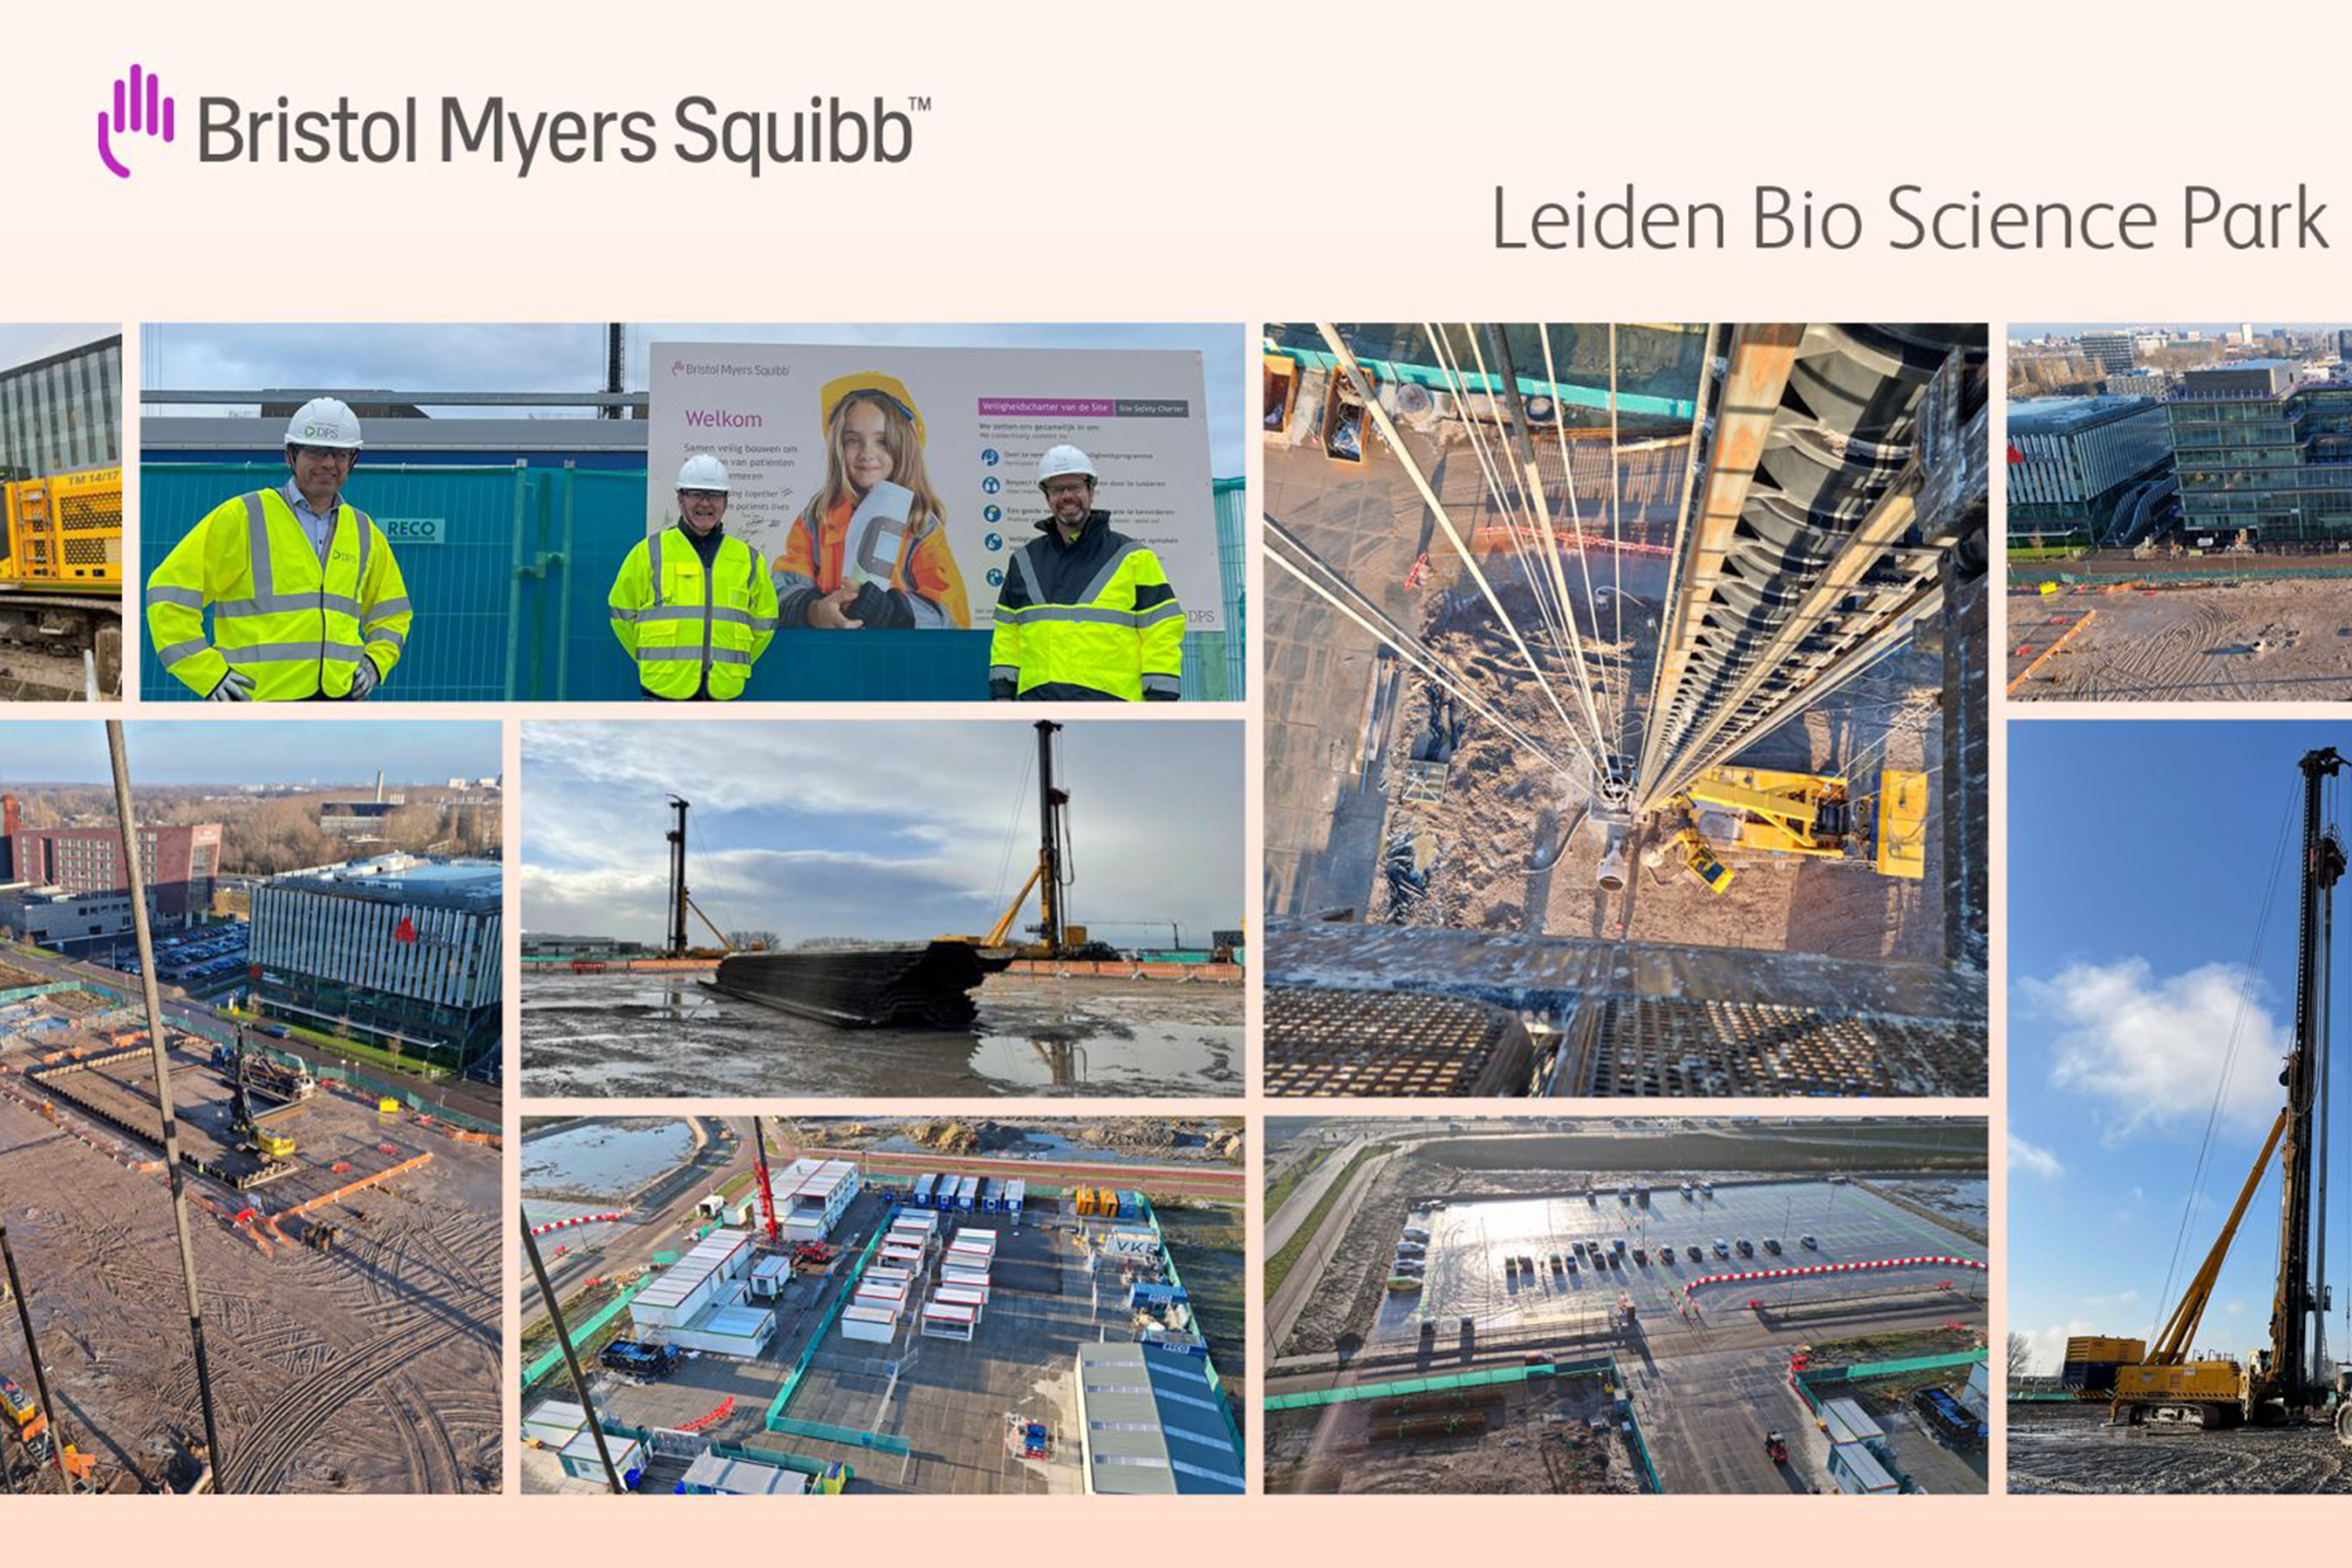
(2180,1328)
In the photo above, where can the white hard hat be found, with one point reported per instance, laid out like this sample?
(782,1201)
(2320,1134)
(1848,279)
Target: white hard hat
(702,472)
(1064,459)
(324,421)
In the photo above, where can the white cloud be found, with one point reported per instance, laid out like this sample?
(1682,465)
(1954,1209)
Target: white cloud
(2145,1052)
(2032,1159)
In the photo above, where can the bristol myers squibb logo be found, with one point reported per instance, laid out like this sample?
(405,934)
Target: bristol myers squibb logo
(140,109)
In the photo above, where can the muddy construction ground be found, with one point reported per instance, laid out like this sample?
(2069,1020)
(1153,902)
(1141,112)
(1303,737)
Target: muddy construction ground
(2249,641)
(1547,1435)
(1502,810)
(2070,1449)
(373,1367)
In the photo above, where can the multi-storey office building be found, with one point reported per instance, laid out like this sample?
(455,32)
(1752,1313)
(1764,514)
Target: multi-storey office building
(398,951)
(2072,459)
(2262,453)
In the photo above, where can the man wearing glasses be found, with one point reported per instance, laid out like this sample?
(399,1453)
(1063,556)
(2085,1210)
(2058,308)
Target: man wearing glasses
(308,602)
(1084,614)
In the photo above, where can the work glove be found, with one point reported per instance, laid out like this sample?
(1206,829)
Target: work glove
(235,687)
(362,679)
(876,606)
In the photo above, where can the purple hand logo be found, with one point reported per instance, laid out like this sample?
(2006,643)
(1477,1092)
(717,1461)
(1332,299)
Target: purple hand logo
(139,108)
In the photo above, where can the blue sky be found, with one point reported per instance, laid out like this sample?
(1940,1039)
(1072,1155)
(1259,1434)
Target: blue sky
(848,828)
(2139,855)
(569,357)
(285,751)
(2018,330)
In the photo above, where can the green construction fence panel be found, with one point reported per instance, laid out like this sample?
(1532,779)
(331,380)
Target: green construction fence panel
(510,596)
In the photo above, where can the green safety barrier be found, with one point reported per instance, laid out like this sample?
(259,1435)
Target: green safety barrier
(1866,1370)
(851,1437)
(604,1315)
(1390,372)
(808,1352)
(665,1259)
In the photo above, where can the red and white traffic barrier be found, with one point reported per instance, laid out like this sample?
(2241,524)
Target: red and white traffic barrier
(567,1224)
(1753,1276)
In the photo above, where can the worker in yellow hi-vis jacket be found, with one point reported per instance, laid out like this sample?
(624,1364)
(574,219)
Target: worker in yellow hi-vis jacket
(1084,614)
(307,599)
(693,607)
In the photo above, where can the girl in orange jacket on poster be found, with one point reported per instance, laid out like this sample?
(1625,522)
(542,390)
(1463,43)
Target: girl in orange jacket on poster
(871,547)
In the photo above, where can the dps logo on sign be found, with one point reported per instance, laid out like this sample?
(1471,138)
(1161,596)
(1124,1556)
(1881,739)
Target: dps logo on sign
(414,530)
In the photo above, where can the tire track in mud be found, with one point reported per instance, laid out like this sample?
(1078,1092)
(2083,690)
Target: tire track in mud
(302,1411)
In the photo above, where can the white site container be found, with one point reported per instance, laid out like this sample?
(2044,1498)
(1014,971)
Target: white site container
(962,1296)
(945,1320)
(878,1324)
(882,1293)
(964,1280)
(741,1332)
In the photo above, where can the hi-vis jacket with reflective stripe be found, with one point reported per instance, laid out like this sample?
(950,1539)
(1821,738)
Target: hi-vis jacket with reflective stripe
(1090,620)
(680,622)
(296,624)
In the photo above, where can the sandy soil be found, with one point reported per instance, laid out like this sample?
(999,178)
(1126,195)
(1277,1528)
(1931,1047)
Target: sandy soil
(372,1368)
(2241,642)
(1535,1437)
(2071,1449)
(1504,806)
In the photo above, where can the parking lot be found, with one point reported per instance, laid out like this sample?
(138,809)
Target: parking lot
(1470,1241)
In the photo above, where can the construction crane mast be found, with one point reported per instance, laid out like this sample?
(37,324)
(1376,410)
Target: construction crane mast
(2299,1305)
(767,1192)
(2288,1378)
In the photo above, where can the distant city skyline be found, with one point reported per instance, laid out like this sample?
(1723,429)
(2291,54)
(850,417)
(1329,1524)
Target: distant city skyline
(2017,329)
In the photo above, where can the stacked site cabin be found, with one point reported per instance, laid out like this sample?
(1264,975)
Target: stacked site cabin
(1149,1422)
(907,1244)
(814,1195)
(961,1295)
(697,1302)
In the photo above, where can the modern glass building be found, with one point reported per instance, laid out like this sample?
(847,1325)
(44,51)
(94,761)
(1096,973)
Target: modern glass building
(398,952)
(2070,459)
(63,412)
(2263,454)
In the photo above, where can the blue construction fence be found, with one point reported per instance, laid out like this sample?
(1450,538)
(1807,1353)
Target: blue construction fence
(512,592)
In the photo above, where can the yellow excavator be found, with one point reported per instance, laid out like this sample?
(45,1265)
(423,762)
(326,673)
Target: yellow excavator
(2290,1378)
(1768,812)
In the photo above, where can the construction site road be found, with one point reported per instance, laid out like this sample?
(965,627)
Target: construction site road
(1281,1225)
(480,1104)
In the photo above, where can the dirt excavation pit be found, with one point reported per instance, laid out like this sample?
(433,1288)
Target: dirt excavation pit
(371,1366)
(1479,846)
(2252,641)
(1544,1434)
(2071,1449)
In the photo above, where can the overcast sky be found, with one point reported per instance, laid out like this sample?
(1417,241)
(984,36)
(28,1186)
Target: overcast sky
(571,357)
(252,751)
(21,345)
(845,828)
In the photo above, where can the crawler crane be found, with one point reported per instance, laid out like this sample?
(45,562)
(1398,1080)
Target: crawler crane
(2287,1379)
